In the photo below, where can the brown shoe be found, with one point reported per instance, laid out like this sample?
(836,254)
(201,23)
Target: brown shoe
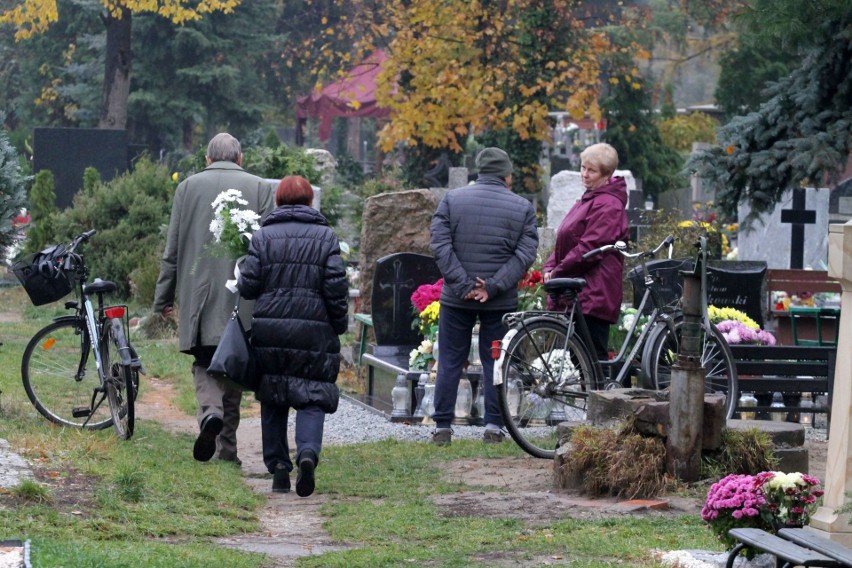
(493,437)
(442,437)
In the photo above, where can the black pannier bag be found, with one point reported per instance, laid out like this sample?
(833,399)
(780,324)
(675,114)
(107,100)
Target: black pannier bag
(42,275)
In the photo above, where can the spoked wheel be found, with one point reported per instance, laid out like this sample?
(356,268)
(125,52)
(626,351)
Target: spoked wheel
(119,381)
(545,381)
(60,379)
(721,373)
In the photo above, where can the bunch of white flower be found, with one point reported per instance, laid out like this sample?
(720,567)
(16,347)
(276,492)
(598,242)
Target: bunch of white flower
(232,225)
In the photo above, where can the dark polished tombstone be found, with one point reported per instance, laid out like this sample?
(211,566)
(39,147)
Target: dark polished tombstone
(67,152)
(397,276)
(560,164)
(740,285)
(730,284)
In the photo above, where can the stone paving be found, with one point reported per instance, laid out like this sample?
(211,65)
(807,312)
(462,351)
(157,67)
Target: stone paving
(13,468)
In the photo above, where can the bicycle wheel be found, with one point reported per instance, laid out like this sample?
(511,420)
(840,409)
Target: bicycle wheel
(119,378)
(544,380)
(58,379)
(721,373)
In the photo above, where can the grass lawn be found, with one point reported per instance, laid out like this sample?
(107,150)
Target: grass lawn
(101,502)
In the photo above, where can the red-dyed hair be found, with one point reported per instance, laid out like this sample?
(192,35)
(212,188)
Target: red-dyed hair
(294,190)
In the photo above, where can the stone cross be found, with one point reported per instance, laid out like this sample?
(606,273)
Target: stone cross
(838,467)
(798,217)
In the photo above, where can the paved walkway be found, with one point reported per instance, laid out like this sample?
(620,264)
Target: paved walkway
(13,468)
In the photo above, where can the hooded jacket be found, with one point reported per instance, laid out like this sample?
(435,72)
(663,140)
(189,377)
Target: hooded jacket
(598,218)
(483,230)
(295,272)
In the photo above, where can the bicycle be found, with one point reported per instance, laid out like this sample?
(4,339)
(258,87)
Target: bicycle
(545,366)
(55,366)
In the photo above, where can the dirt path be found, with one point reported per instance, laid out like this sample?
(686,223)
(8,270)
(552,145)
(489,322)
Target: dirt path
(292,526)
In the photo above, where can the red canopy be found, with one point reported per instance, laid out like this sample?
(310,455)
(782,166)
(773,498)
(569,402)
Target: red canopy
(353,95)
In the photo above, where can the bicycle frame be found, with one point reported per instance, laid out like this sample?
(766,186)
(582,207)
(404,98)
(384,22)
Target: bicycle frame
(96,321)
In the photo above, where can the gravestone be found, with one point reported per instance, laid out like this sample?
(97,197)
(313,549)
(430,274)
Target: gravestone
(794,233)
(392,222)
(458,178)
(325,164)
(396,277)
(738,284)
(730,284)
(67,152)
(566,188)
(840,202)
(560,164)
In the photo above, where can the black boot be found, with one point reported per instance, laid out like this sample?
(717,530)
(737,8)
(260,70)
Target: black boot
(281,479)
(305,479)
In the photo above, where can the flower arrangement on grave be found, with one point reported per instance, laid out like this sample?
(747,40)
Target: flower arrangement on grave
(232,225)
(425,301)
(790,498)
(737,328)
(769,500)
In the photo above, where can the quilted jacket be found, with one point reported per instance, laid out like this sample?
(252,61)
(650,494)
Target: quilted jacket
(296,275)
(483,230)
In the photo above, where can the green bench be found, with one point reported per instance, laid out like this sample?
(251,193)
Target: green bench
(366,321)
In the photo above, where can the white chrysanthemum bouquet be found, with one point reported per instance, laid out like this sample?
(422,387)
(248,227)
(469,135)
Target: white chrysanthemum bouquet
(232,225)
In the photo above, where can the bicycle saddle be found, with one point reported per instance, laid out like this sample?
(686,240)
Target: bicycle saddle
(99,286)
(562,284)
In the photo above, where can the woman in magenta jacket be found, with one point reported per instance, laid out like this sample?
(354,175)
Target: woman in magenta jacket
(598,218)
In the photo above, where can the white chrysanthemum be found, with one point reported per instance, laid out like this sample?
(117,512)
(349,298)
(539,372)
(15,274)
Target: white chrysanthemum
(245,219)
(217,225)
(228,198)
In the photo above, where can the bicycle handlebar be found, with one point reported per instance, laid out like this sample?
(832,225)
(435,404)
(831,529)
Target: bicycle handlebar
(80,239)
(621,247)
(71,258)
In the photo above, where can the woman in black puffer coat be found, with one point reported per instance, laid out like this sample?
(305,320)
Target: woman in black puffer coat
(295,272)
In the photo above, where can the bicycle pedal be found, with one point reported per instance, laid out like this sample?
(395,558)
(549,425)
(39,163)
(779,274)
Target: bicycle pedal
(81,411)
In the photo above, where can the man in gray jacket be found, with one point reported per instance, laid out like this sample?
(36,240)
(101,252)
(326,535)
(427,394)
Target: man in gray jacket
(193,276)
(484,240)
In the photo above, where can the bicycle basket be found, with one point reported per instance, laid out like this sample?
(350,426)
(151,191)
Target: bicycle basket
(667,271)
(42,276)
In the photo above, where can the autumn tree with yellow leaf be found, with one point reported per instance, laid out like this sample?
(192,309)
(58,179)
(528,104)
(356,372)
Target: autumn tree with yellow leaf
(32,17)
(456,67)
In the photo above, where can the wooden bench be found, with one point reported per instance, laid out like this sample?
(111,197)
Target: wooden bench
(784,550)
(788,369)
(810,539)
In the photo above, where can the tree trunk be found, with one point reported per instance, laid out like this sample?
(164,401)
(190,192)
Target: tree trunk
(116,71)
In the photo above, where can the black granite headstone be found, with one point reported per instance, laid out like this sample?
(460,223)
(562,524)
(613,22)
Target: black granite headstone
(397,276)
(67,152)
(560,164)
(730,284)
(738,284)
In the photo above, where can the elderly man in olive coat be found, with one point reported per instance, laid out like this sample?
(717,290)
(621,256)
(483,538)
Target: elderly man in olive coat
(194,278)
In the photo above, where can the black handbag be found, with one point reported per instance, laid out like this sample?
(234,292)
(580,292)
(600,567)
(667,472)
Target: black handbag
(234,358)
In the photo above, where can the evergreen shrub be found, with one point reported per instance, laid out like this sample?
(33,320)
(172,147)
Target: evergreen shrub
(130,214)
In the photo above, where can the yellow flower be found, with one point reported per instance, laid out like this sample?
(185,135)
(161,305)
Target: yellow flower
(429,316)
(175,176)
(723,314)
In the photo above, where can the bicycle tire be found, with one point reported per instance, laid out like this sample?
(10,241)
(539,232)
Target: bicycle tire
(118,378)
(716,358)
(534,394)
(57,377)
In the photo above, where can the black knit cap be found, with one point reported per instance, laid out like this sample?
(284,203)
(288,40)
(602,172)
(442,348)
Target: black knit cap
(494,162)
